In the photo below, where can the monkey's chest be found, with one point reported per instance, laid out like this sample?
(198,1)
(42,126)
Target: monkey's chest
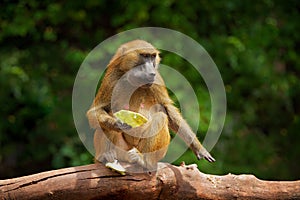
(142,105)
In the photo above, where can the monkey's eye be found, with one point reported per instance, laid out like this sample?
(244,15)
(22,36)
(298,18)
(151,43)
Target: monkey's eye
(145,55)
(153,56)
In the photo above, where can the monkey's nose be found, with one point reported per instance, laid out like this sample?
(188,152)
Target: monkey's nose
(151,78)
(152,74)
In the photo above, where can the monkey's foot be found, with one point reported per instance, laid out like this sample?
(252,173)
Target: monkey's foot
(116,166)
(135,156)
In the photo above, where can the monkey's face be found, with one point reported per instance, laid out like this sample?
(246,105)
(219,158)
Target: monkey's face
(144,73)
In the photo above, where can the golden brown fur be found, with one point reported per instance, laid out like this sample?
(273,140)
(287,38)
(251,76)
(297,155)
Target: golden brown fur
(151,139)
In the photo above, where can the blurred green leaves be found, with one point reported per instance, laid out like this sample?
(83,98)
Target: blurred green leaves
(255,45)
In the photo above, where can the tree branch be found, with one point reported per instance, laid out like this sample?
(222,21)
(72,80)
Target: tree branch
(170,182)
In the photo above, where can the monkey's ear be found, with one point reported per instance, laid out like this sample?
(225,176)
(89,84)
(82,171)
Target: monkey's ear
(159,55)
(122,50)
(158,58)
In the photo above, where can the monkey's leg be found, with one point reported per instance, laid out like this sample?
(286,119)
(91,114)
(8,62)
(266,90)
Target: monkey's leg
(109,149)
(154,144)
(103,148)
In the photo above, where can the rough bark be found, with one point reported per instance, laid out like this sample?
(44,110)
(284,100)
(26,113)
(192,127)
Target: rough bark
(170,182)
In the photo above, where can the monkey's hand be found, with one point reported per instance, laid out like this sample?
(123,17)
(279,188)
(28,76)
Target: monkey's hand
(203,153)
(122,126)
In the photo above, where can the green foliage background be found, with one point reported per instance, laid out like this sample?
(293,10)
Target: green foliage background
(255,45)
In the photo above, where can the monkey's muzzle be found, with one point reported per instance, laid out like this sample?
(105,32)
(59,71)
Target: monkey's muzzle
(149,82)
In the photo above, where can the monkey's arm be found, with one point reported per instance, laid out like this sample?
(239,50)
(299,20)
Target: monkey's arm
(99,117)
(179,126)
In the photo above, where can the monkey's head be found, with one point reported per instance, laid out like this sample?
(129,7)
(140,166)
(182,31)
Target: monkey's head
(138,60)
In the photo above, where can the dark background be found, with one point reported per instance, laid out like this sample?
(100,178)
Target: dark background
(255,45)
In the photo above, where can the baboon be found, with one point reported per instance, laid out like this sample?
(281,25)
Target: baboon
(132,82)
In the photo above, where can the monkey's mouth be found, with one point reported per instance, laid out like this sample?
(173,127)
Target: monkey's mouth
(150,82)
(147,85)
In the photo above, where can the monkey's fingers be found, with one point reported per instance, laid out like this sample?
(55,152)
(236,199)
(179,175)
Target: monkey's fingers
(206,156)
(209,158)
(123,126)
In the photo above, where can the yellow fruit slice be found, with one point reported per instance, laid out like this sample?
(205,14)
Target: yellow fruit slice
(116,166)
(131,118)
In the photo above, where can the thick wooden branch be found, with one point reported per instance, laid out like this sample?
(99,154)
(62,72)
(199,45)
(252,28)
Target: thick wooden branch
(170,182)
